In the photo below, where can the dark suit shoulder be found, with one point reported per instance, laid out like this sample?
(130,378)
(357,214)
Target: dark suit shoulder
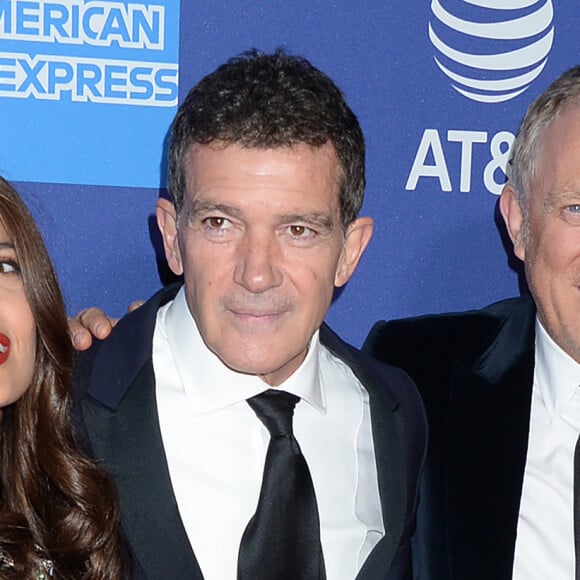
(432,340)
(467,366)
(473,369)
(109,366)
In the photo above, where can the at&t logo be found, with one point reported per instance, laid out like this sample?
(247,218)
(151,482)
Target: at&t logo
(491,50)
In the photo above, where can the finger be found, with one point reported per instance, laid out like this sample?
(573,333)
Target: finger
(95,321)
(134,305)
(80,336)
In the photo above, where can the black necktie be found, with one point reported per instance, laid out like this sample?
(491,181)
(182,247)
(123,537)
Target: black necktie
(282,539)
(577,507)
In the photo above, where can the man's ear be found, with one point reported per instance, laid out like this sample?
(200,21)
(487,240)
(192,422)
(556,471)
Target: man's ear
(513,217)
(357,238)
(167,223)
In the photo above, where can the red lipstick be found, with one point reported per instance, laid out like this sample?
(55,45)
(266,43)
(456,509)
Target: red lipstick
(4,348)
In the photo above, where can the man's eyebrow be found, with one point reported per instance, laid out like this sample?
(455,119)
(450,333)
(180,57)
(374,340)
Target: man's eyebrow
(199,206)
(566,195)
(6,246)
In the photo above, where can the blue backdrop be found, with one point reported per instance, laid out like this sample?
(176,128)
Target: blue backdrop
(88,90)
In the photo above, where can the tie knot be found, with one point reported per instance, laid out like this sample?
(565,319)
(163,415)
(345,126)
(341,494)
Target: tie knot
(275,410)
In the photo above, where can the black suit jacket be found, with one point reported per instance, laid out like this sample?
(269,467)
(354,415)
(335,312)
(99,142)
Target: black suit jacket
(474,371)
(116,388)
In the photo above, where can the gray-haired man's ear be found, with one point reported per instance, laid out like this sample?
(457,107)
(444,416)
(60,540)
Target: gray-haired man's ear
(514,220)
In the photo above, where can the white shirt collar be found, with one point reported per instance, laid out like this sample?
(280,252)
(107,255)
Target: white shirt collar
(557,373)
(209,384)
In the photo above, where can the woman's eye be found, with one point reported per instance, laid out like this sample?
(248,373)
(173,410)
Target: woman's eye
(9,267)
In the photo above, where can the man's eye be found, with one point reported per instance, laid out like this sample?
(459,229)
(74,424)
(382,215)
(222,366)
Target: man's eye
(298,231)
(216,223)
(574,208)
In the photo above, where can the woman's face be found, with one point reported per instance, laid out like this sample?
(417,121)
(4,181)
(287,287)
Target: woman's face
(17,328)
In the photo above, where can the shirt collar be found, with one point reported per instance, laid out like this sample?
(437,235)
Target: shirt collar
(209,384)
(557,373)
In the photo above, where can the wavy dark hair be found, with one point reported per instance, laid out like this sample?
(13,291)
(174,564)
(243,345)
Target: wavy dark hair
(260,100)
(55,503)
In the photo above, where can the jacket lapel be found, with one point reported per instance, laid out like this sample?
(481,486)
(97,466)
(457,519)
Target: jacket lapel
(123,427)
(388,432)
(488,437)
(388,435)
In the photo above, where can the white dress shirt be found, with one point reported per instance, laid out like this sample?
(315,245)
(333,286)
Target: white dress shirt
(216,447)
(545,533)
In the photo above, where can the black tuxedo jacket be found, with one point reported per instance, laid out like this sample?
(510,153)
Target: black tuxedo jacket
(116,388)
(474,371)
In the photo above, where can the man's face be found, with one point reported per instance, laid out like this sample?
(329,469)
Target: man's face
(260,244)
(551,251)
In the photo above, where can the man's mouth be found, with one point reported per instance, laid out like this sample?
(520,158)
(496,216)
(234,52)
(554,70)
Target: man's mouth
(256,314)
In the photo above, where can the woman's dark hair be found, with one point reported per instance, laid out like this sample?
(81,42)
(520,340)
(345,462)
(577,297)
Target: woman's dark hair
(55,504)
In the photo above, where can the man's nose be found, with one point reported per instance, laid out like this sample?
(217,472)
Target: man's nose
(257,269)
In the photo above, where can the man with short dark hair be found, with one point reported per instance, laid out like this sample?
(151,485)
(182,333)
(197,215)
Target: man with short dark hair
(501,385)
(246,439)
